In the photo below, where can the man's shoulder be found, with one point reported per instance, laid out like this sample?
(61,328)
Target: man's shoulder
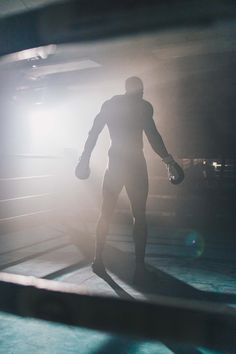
(147,106)
(116,98)
(122,99)
(112,101)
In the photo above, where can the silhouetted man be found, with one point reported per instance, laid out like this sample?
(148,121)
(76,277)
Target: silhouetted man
(127,117)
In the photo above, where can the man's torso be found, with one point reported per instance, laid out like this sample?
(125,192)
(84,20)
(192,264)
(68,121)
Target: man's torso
(126,118)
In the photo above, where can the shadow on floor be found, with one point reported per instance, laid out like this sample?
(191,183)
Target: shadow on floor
(157,282)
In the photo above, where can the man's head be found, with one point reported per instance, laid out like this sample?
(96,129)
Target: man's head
(134,86)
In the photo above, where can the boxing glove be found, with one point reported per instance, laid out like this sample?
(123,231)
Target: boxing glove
(175,172)
(82,170)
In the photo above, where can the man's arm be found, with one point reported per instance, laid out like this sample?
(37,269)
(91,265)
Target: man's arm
(82,170)
(154,136)
(91,141)
(98,125)
(175,172)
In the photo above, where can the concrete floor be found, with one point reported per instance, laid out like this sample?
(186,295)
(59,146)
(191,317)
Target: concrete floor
(183,265)
(26,336)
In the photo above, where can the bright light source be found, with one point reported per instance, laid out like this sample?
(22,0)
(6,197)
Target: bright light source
(64,67)
(62,126)
(216,164)
(47,131)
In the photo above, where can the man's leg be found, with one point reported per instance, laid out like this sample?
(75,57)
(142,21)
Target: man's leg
(140,237)
(112,186)
(137,190)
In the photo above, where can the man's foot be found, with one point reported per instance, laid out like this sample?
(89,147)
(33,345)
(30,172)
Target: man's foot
(98,267)
(141,274)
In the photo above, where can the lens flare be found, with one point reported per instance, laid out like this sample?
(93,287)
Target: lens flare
(194,243)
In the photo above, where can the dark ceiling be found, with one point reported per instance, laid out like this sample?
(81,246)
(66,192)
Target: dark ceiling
(10,7)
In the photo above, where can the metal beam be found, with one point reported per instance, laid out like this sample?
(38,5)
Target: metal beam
(170,319)
(92,20)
